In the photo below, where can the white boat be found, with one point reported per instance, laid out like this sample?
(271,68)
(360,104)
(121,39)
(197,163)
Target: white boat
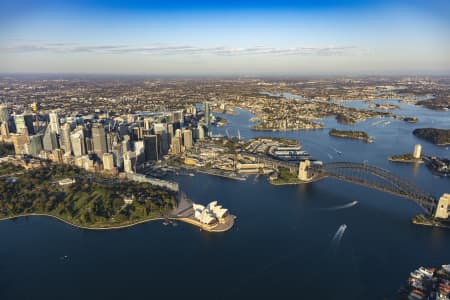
(425,272)
(446,268)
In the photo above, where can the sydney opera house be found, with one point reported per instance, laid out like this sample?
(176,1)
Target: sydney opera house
(211,214)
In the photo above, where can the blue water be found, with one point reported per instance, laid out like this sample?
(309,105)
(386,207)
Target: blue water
(280,248)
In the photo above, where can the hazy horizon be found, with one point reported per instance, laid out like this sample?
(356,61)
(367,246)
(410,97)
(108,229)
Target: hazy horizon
(223,38)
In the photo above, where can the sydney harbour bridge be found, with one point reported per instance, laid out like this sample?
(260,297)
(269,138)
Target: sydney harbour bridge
(361,174)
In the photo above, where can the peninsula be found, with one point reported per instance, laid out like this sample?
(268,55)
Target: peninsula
(80,198)
(439,137)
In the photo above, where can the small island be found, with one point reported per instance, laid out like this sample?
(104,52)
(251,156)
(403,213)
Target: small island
(405,158)
(439,137)
(349,134)
(385,106)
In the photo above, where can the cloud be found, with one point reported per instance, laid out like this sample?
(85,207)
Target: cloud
(163,50)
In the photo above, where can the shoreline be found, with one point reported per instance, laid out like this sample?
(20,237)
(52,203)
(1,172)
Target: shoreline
(81,226)
(118,227)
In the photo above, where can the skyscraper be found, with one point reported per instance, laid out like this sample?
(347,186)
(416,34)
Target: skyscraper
(175,146)
(34,146)
(66,144)
(207,118)
(54,122)
(99,140)
(4,113)
(129,159)
(4,129)
(108,161)
(50,140)
(24,124)
(77,142)
(151,148)
(187,138)
(200,132)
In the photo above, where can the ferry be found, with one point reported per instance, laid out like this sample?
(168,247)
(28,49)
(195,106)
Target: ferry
(425,271)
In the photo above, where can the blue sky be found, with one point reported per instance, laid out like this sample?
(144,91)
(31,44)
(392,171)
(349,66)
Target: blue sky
(225,37)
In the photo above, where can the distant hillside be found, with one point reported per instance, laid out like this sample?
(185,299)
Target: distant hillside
(440,137)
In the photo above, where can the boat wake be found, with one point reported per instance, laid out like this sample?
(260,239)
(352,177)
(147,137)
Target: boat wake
(338,237)
(351,204)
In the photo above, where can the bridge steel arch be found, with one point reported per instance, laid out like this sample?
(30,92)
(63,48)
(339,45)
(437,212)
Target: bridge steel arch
(377,178)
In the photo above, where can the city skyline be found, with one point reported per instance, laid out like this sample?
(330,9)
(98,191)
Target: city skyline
(184,37)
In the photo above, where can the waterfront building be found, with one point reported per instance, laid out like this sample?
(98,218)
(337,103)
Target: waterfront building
(99,140)
(108,161)
(211,214)
(187,138)
(417,151)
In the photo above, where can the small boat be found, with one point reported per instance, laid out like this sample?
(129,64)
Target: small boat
(446,268)
(165,223)
(191,174)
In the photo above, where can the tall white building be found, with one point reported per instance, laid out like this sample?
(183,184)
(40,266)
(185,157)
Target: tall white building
(187,138)
(66,144)
(77,142)
(54,123)
(108,161)
(129,159)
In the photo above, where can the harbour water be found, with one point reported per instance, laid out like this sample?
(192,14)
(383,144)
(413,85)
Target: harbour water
(279,248)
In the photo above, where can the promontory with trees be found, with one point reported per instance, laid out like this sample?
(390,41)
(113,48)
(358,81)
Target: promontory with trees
(79,197)
(440,137)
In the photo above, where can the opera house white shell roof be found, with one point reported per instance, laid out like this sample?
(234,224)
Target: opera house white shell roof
(209,214)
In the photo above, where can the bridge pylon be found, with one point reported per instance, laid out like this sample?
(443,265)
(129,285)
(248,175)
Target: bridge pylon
(304,170)
(442,207)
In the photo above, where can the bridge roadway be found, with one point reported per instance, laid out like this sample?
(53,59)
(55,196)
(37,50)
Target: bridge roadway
(365,175)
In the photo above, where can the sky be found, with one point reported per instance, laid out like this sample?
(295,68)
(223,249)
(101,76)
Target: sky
(225,37)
